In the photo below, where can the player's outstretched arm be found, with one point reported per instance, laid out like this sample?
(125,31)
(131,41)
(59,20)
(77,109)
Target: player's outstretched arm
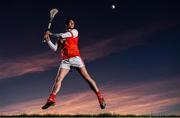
(54,47)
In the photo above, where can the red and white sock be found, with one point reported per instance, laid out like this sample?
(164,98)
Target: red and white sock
(99,94)
(52,97)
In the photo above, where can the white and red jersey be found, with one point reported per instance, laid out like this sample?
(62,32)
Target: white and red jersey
(70,47)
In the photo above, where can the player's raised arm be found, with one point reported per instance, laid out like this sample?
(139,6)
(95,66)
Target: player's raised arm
(72,33)
(47,35)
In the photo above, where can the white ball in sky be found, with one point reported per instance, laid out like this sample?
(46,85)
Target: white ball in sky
(113,6)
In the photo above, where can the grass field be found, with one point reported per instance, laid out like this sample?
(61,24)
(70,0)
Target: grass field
(97,115)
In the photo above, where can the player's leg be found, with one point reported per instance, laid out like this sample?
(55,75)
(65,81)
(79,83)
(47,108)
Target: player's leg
(57,85)
(92,84)
(59,78)
(88,79)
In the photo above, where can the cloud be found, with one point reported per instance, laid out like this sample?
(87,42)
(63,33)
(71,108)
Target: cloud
(136,99)
(18,66)
(124,40)
(28,64)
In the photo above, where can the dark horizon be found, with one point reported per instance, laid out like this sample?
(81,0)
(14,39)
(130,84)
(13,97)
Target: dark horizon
(131,51)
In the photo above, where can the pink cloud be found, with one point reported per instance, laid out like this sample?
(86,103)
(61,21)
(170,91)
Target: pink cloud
(130,100)
(41,62)
(24,65)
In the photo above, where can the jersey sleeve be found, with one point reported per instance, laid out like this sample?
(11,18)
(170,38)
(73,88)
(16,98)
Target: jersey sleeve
(72,33)
(52,46)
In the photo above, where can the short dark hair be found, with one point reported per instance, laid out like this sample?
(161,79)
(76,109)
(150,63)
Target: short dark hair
(67,21)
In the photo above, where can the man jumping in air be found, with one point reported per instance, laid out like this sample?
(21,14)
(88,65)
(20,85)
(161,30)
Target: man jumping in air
(70,54)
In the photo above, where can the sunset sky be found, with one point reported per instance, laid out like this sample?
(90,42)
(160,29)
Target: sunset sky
(132,52)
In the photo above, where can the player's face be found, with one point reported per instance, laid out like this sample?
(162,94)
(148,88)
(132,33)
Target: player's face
(70,24)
